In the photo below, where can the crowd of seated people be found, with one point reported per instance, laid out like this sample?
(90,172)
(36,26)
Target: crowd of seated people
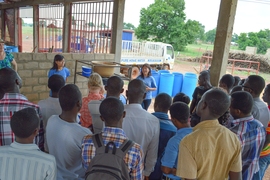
(222,133)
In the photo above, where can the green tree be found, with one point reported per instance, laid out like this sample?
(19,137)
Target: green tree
(164,21)
(129,26)
(210,35)
(193,30)
(261,40)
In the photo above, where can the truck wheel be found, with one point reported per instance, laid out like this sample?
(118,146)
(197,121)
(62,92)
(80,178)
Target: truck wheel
(135,72)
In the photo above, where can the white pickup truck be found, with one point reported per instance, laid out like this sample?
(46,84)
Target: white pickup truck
(158,55)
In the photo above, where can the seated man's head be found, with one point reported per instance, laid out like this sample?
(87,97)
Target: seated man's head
(114,86)
(136,91)
(241,104)
(25,125)
(254,84)
(55,83)
(236,88)
(70,98)
(226,82)
(266,94)
(179,112)
(112,112)
(213,104)
(162,103)
(181,97)
(10,81)
(204,78)
(237,79)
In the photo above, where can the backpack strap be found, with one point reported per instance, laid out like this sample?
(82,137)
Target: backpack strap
(125,147)
(98,140)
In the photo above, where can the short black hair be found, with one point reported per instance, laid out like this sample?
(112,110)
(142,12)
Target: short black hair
(180,111)
(24,122)
(136,89)
(268,88)
(257,84)
(114,85)
(7,79)
(163,101)
(111,109)
(242,81)
(236,88)
(69,95)
(237,79)
(56,82)
(205,74)
(243,101)
(217,101)
(181,97)
(227,79)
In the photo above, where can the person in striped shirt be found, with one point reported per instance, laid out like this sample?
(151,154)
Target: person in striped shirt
(22,159)
(12,101)
(264,160)
(250,132)
(112,113)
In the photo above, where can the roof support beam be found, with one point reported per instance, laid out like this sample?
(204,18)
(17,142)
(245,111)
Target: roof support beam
(117,29)
(223,40)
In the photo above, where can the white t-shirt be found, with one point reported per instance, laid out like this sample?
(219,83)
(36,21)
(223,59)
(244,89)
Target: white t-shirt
(143,128)
(49,107)
(64,141)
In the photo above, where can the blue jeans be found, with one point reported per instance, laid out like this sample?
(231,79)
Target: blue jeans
(263,163)
(146,103)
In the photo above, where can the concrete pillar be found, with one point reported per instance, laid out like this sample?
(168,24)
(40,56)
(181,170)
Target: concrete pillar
(36,27)
(3,24)
(223,39)
(117,28)
(16,26)
(66,27)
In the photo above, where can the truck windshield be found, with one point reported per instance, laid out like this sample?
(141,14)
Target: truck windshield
(170,51)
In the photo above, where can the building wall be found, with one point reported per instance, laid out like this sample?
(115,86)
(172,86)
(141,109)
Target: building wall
(34,67)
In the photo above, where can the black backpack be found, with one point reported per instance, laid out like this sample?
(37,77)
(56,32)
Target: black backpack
(108,163)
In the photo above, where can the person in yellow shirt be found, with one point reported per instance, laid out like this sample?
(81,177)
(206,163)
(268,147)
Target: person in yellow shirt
(211,151)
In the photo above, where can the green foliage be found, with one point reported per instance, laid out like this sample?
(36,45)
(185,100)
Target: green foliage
(261,40)
(129,26)
(164,21)
(194,30)
(91,24)
(211,35)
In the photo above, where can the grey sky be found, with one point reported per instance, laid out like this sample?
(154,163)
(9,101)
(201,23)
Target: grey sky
(250,16)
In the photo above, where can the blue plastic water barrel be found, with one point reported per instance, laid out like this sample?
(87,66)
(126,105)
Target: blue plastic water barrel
(177,83)
(164,71)
(166,83)
(189,84)
(156,76)
(15,49)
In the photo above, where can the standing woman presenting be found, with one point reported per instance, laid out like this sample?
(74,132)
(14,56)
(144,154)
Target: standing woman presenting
(6,58)
(150,84)
(59,67)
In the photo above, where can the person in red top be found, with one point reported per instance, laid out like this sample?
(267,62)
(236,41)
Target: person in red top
(96,91)
(264,160)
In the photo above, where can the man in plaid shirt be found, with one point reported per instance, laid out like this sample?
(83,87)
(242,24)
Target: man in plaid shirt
(250,132)
(11,102)
(112,113)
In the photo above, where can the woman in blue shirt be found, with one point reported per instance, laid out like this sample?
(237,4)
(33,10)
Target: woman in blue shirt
(150,84)
(59,67)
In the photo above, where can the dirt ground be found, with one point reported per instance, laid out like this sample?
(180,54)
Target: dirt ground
(192,67)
